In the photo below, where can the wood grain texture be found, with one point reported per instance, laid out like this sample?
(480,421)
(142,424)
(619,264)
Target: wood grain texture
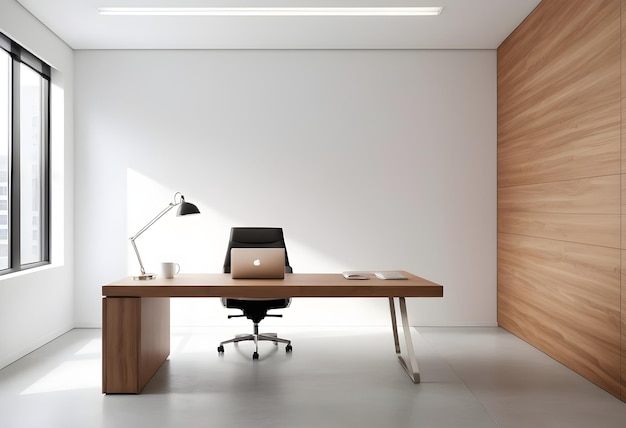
(120,352)
(597,195)
(558,94)
(623,170)
(623,211)
(592,229)
(567,53)
(563,151)
(623,327)
(564,299)
(293,285)
(136,342)
(560,161)
(154,345)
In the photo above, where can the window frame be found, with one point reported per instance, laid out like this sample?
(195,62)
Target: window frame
(20,56)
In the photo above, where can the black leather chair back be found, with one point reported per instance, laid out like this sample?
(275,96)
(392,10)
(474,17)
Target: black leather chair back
(256,237)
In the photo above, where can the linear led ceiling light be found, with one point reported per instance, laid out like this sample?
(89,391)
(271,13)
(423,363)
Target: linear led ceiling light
(272,11)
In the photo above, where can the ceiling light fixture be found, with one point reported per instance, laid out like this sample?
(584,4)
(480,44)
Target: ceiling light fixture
(271,11)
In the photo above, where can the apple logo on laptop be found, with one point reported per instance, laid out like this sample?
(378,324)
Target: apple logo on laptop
(257,262)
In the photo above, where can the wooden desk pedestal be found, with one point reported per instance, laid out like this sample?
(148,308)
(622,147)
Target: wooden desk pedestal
(135,341)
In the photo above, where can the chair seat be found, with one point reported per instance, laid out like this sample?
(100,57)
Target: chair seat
(255,309)
(245,304)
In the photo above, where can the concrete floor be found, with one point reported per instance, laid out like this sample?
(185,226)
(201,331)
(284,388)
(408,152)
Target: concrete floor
(479,377)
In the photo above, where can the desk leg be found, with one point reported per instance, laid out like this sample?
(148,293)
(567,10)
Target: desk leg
(411,365)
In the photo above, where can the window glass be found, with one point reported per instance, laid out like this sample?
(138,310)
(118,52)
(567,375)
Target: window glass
(5,141)
(31,131)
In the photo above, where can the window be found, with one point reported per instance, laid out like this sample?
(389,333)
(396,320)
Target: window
(24,158)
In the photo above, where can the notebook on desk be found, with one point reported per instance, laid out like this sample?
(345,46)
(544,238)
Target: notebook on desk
(257,263)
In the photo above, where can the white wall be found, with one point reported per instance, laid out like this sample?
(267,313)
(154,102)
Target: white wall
(367,159)
(37,306)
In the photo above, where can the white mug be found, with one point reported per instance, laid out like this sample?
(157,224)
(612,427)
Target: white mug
(169,269)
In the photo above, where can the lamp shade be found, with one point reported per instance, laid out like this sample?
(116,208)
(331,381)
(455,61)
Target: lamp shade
(187,208)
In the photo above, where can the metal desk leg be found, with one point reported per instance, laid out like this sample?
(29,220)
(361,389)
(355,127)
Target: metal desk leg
(394,324)
(411,365)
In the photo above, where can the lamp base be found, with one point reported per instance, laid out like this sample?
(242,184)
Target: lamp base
(144,276)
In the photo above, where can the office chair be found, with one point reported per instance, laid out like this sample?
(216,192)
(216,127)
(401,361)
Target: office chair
(256,309)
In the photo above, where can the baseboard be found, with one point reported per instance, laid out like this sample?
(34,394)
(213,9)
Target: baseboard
(87,325)
(13,357)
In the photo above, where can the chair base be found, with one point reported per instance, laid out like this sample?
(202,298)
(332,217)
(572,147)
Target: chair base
(256,337)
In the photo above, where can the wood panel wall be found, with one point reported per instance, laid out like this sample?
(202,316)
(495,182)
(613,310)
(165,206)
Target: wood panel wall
(561,176)
(623,197)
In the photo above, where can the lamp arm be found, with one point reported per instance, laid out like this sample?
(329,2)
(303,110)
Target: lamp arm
(143,271)
(154,220)
(146,227)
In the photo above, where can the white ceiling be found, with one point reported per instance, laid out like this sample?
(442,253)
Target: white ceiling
(464,24)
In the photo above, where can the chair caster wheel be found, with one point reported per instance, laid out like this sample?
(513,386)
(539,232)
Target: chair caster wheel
(220,349)
(255,356)
(288,348)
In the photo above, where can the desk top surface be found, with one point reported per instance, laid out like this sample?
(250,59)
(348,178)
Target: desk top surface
(293,285)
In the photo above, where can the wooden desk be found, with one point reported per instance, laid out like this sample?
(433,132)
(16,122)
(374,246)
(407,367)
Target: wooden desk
(136,315)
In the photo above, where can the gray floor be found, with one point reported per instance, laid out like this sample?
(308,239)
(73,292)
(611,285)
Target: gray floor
(471,377)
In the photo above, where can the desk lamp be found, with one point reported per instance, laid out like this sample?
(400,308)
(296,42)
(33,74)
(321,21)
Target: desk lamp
(183,209)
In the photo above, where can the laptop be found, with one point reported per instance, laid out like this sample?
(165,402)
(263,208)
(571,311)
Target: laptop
(257,263)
